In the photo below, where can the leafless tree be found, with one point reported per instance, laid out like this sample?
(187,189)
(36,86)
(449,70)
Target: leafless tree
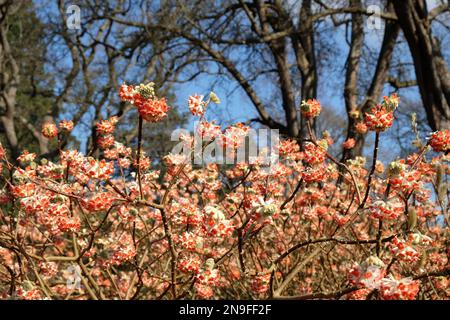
(274,50)
(431,69)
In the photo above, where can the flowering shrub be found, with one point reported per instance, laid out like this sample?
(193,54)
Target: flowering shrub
(309,227)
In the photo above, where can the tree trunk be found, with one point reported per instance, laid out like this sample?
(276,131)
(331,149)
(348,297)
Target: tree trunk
(373,95)
(432,72)
(351,81)
(9,79)
(11,137)
(308,70)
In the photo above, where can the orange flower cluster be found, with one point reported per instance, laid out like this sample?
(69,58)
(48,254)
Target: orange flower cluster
(440,141)
(197,105)
(349,143)
(388,210)
(403,289)
(148,105)
(49,130)
(310,108)
(97,202)
(381,117)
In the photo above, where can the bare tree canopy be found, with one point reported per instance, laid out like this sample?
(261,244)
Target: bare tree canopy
(278,53)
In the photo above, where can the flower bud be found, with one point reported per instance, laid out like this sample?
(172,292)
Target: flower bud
(49,130)
(391,102)
(374,261)
(209,264)
(269,209)
(147,91)
(395,168)
(214,98)
(354,113)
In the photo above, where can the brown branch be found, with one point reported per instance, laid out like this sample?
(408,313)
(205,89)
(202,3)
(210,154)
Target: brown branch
(398,84)
(319,295)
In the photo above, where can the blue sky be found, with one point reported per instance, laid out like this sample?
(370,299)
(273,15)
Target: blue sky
(236,106)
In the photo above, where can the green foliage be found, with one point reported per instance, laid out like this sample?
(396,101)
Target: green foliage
(34,100)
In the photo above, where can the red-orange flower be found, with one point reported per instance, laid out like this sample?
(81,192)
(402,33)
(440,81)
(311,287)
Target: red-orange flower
(66,125)
(49,130)
(379,119)
(197,105)
(314,154)
(149,106)
(403,289)
(361,128)
(349,143)
(310,108)
(100,201)
(153,110)
(440,141)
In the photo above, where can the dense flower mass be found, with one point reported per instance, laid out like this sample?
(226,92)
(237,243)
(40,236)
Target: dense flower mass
(403,251)
(315,154)
(66,125)
(308,225)
(390,209)
(153,110)
(107,126)
(97,202)
(260,284)
(234,136)
(369,274)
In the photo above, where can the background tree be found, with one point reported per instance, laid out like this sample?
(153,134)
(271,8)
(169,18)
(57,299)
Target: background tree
(277,52)
(279,44)
(50,73)
(431,69)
